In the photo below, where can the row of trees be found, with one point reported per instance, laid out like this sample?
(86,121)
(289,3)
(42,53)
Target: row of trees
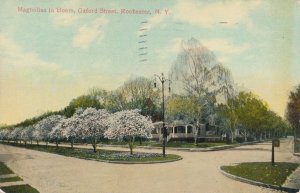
(87,124)
(203,91)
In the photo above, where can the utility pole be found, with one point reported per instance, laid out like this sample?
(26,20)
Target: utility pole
(162,79)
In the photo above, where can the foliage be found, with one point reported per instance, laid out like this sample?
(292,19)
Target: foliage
(129,124)
(293,110)
(196,72)
(93,123)
(45,126)
(250,114)
(263,171)
(84,101)
(182,108)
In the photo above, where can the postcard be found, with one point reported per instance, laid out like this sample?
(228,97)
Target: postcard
(138,96)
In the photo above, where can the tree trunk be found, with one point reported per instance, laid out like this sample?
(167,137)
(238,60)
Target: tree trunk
(94,142)
(72,143)
(56,143)
(37,142)
(196,135)
(232,136)
(131,141)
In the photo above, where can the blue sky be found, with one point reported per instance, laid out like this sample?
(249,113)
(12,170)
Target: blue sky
(49,58)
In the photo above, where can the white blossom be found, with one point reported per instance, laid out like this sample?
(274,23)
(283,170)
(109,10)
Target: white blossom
(93,124)
(129,123)
(44,127)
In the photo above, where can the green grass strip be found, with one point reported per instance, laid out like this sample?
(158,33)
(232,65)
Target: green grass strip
(19,189)
(101,154)
(11,179)
(4,169)
(263,171)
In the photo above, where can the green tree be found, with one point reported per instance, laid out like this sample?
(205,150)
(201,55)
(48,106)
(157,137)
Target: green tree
(293,110)
(184,108)
(196,72)
(84,102)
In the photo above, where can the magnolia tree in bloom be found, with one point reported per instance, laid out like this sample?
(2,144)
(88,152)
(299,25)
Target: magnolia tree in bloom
(45,126)
(129,124)
(25,135)
(70,128)
(57,132)
(4,133)
(92,124)
(29,130)
(15,134)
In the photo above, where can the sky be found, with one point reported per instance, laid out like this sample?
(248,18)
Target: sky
(52,52)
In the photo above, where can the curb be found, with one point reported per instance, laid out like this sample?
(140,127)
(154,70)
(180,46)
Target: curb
(8,175)
(252,182)
(16,183)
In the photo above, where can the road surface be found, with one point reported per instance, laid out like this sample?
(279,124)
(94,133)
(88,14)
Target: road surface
(197,172)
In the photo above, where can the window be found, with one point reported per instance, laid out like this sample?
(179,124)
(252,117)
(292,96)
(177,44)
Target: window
(180,129)
(189,129)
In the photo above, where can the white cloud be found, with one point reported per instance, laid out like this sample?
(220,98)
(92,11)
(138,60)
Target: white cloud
(13,56)
(89,32)
(204,14)
(208,15)
(224,46)
(172,48)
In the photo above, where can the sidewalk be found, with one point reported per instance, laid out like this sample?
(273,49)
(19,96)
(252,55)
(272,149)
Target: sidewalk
(4,184)
(293,181)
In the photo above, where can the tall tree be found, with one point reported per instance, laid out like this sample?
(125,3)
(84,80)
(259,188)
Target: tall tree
(293,110)
(197,72)
(139,94)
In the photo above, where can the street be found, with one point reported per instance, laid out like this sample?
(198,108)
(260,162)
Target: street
(197,172)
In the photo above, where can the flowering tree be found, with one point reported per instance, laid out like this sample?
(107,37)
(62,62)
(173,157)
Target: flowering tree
(129,124)
(70,128)
(4,133)
(24,135)
(44,127)
(57,132)
(15,134)
(92,124)
(30,129)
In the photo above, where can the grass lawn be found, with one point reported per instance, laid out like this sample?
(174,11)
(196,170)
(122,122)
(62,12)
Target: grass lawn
(19,189)
(11,179)
(192,145)
(263,171)
(104,155)
(4,169)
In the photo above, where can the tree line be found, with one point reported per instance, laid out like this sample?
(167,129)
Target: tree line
(203,92)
